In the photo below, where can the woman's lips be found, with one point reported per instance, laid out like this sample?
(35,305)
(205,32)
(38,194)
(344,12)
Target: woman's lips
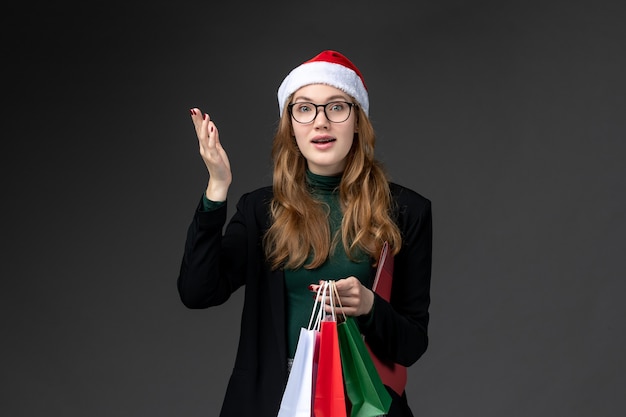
(323,142)
(323,139)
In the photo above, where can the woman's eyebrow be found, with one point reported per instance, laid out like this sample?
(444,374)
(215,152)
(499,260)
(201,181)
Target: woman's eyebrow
(335,97)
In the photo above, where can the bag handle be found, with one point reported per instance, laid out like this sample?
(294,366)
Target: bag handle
(314,324)
(326,289)
(330,286)
(337,299)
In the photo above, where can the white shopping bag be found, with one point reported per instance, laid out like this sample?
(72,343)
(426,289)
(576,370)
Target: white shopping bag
(299,393)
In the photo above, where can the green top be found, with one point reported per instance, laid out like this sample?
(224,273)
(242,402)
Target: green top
(299,299)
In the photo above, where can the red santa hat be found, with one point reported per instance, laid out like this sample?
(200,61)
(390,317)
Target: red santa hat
(330,68)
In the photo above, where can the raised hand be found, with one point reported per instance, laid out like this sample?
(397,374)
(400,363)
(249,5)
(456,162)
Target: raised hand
(213,155)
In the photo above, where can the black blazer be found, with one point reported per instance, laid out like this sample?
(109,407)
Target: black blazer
(215,264)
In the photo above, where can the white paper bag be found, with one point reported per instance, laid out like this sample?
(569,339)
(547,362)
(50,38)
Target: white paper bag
(298,397)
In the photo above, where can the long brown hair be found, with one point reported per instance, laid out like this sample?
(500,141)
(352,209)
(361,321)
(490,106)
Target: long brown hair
(300,223)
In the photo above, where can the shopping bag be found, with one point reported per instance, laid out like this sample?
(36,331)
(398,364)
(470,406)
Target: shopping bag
(330,400)
(366,392)
(297,400)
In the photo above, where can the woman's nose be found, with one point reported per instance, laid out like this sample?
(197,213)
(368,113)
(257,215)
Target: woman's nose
(320,119)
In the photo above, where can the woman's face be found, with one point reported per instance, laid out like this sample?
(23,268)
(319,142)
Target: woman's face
(324,144)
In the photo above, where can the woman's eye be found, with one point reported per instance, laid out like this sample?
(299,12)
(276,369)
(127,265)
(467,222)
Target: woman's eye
(303,108)
(336,107)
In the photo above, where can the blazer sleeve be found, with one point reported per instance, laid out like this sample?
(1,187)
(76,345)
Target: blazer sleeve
(213,263)
(398,330)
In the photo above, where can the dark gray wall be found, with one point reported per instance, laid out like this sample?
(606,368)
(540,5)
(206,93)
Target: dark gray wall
(509,116)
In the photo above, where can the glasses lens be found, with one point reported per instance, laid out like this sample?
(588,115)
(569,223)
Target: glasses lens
(338,111)
(303,112)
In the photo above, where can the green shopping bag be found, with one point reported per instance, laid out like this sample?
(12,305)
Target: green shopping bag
(365,390)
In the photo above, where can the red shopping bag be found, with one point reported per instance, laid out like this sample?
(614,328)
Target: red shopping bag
(330,400)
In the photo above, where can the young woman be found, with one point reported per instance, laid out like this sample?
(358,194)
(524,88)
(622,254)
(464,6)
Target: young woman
(326,216)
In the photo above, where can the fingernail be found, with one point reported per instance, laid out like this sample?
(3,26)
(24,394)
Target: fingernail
(311,287)
(191,111)
(211,128)
(205,116)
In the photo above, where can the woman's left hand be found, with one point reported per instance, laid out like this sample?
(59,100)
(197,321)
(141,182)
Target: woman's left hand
(356,299)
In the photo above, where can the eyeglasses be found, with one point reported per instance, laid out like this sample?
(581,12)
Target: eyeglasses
(335,111)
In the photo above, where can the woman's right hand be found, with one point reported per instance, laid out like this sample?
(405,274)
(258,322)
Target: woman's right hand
(213,155)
